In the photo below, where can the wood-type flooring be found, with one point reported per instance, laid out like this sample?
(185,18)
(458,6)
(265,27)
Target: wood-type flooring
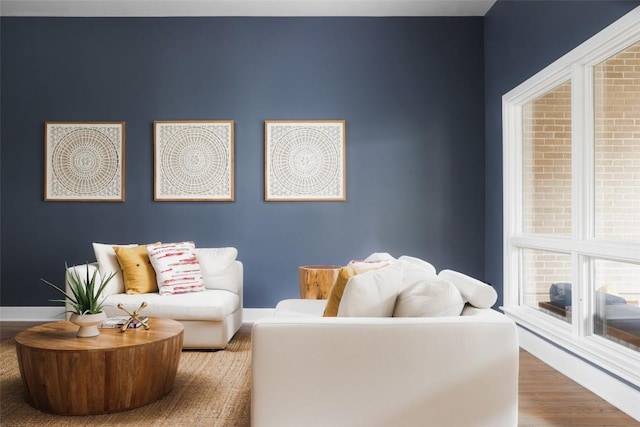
(546,397)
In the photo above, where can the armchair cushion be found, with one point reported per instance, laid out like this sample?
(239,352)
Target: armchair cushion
(208,305)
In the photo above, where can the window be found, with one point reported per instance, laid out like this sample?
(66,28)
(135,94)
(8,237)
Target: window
(572,200)
(617,145)
(547,162)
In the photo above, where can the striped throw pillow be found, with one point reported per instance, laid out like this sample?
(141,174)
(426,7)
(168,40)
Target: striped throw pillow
(177,268)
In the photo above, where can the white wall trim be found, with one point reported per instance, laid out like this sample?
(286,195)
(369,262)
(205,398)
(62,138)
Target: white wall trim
(43,314)
(31,314)
(616,392)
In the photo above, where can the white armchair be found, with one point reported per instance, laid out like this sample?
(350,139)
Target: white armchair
(210,317)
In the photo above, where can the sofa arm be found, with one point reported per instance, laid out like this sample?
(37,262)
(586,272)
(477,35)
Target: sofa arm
(460,371)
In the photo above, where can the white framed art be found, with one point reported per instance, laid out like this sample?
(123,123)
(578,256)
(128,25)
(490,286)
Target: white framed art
(305,160)
(84,161)
(194,160)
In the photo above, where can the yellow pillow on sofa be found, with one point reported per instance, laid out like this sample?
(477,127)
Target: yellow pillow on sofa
(346,273)
(137,271)
(337,290)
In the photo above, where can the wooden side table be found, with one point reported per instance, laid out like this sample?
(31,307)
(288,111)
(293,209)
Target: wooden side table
(111,372)
(316,280)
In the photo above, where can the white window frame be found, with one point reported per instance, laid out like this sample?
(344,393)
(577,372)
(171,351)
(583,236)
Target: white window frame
(576,66)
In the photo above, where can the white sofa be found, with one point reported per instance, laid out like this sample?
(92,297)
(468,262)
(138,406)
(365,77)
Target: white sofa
(451,371)
(210,317)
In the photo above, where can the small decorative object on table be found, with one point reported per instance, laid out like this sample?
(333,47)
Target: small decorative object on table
(118,322)
(134,318)
(84,297)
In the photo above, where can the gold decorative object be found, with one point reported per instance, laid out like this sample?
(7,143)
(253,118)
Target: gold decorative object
(134,316)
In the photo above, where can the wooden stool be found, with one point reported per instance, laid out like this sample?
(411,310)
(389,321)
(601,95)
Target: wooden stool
(316,280)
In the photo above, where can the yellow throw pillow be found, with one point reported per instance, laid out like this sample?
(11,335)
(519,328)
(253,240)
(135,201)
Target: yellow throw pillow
(337,290)
(346,273)
(137,271)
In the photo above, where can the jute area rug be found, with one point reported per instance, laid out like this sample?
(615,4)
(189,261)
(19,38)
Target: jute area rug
(211,389)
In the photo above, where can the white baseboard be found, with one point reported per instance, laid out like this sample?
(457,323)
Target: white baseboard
(614,391)
(31,314)
(43,314)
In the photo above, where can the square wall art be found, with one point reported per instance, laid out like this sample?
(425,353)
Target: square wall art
(305,160)
(194,160)
(84,161)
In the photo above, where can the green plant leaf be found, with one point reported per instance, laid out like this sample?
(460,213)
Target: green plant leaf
(84,296)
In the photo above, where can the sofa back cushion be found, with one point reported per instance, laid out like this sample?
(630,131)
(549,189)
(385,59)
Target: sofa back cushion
(429,297)
(372,294)
(217,266)
(418,263)
(108,264)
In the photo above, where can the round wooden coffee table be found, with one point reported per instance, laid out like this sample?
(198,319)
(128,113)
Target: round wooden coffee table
(114,371)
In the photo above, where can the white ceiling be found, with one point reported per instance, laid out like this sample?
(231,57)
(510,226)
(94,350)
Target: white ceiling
(245,7)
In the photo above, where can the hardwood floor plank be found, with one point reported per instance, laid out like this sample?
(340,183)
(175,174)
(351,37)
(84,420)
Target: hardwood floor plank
(549,399)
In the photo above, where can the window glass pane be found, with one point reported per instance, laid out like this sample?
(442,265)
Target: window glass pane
(617,313)
(547,163)
(617,146)
(547,282)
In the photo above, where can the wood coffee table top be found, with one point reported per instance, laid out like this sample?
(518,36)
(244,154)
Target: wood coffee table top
(61,336)
(111,372)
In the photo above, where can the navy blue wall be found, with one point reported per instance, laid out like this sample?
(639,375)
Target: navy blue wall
(410,90)
(520,39)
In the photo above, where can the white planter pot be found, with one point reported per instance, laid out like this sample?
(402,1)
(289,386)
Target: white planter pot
(88,323)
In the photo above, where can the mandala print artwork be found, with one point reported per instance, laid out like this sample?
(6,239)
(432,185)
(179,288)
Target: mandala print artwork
(194,160)
(84,161)
(305,160)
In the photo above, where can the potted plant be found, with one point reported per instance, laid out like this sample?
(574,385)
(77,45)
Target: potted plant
(84,296)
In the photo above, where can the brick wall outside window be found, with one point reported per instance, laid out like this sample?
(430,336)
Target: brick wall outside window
(617,145)
(617,163)
(547,188)
(547,175)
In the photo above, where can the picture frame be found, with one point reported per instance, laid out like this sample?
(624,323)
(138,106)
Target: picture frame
(194,160)
(305,160)
(84,161)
